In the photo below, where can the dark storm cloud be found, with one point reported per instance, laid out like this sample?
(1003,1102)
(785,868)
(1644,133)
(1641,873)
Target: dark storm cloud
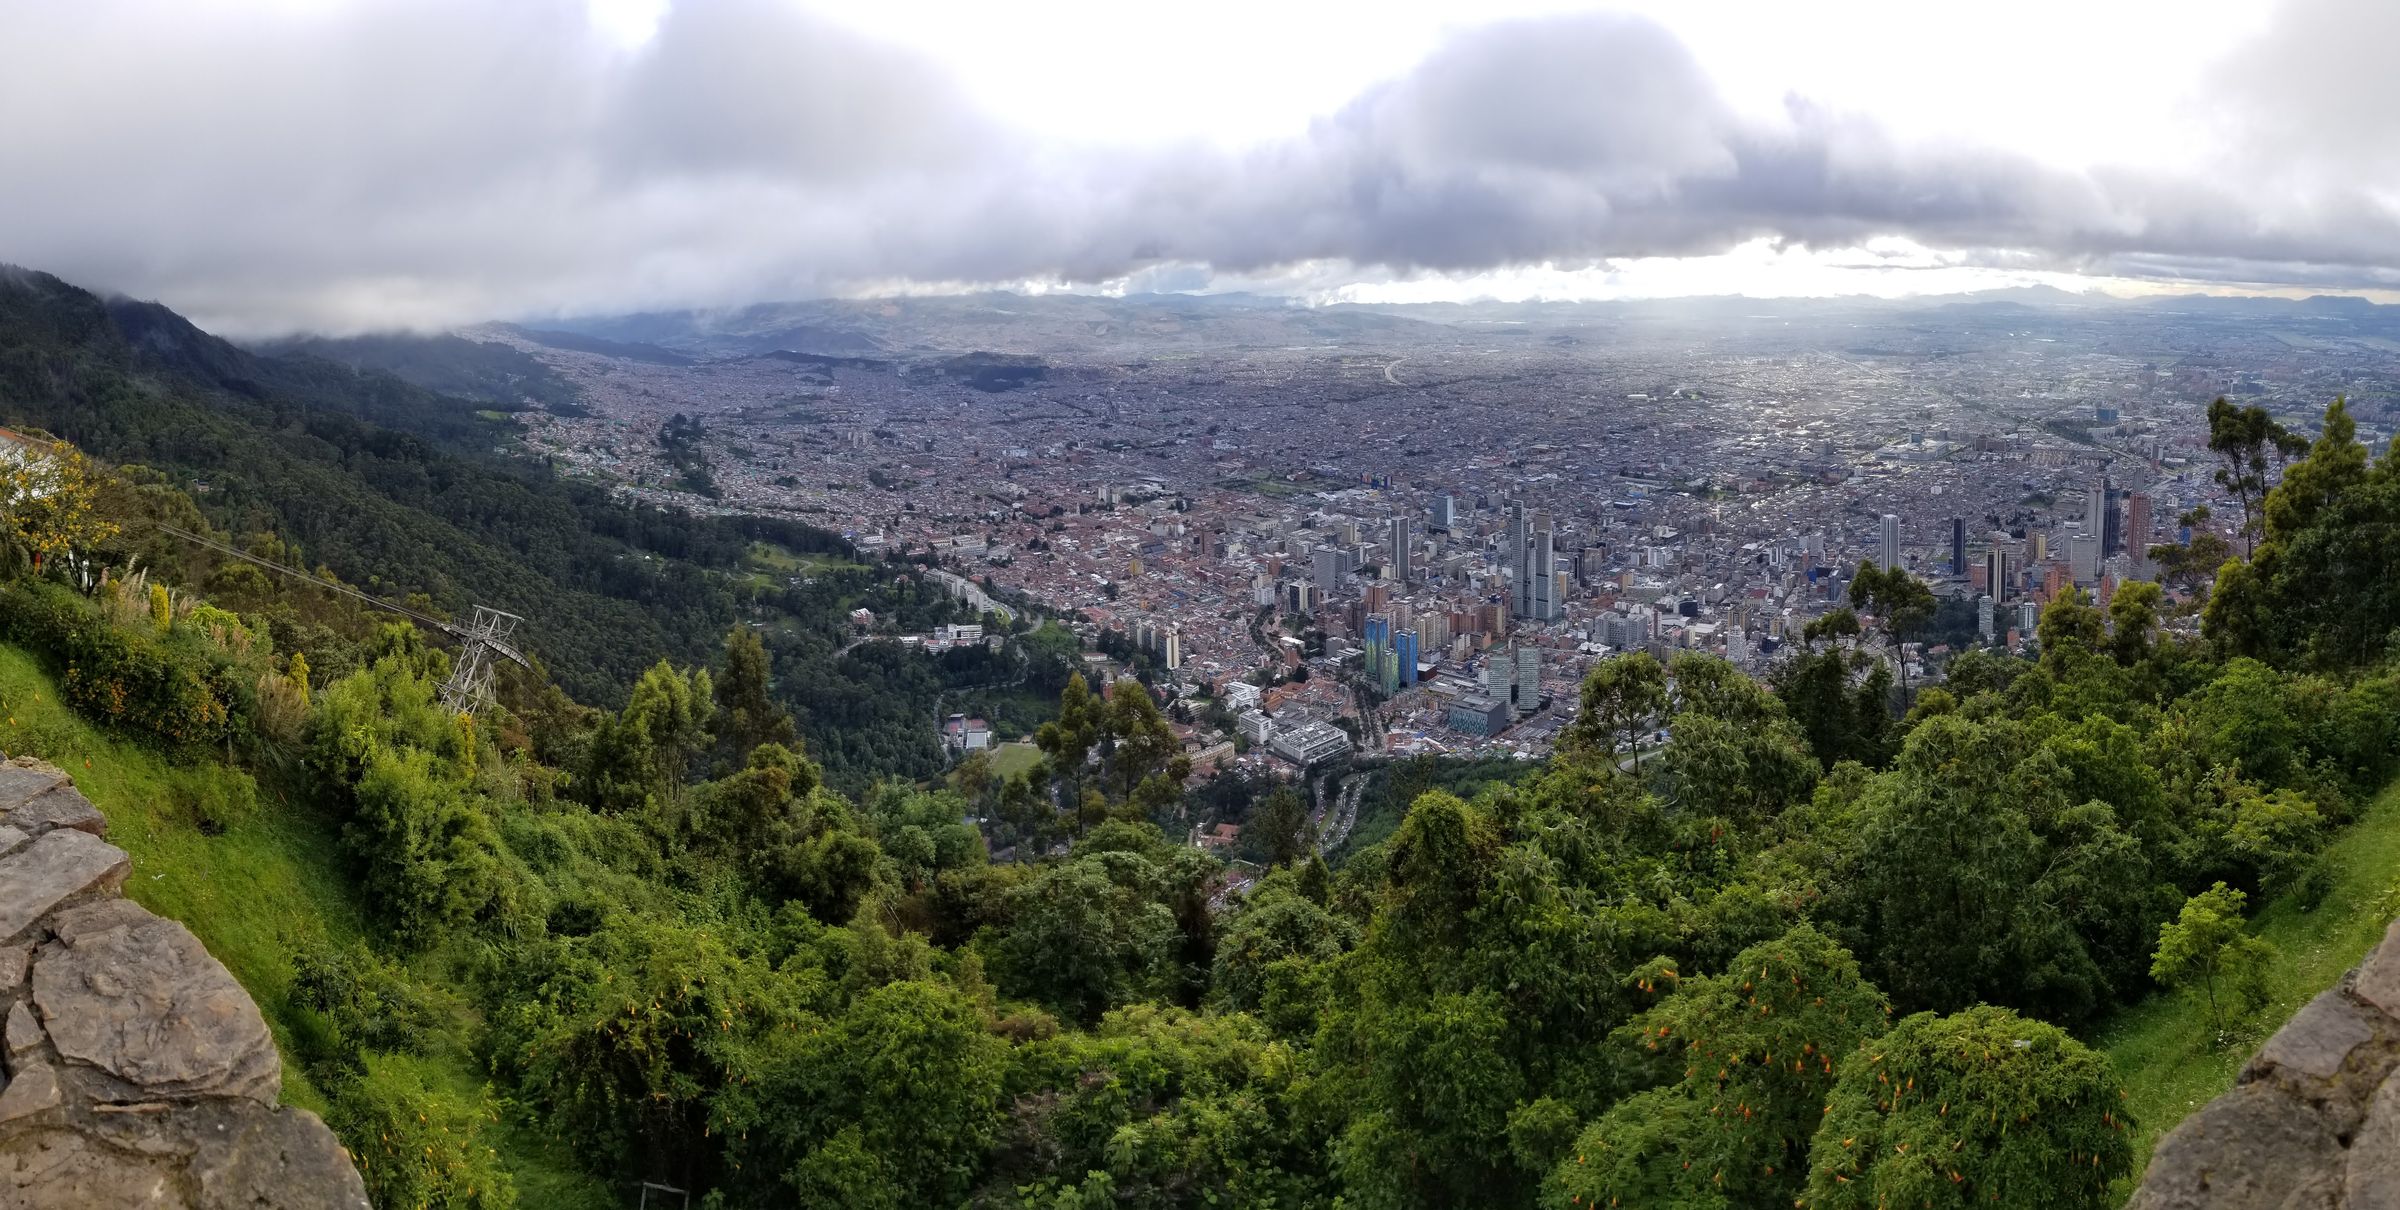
(431,162)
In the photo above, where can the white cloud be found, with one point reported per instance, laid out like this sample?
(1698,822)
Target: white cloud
(431,162)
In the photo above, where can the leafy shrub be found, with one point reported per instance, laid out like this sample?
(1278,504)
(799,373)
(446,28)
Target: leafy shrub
(213,798)
(361,1003)
(420,1146)
(176,688)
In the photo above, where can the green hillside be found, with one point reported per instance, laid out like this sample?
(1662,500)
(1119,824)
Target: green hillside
(2166,1047)
(266,885)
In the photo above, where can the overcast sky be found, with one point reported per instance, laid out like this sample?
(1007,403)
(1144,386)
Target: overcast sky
(341,165)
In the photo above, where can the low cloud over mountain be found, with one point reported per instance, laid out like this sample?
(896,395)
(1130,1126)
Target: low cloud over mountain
(430,162)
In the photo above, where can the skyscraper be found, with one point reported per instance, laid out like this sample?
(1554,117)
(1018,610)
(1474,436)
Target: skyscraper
(1995,570)
(1329,569)
(2112,528)
(1445,512)
(1545,576)
(1514,556)
(1400,552)
(1890,550)
(1500,676)
(1529,678)
(2139,529)
(2083,557)
(1958,546)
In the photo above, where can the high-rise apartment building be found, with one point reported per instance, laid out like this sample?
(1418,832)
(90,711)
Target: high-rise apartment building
(1889,550)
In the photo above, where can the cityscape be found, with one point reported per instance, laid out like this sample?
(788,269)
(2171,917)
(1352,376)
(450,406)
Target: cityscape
(1403,531)
(1530,605)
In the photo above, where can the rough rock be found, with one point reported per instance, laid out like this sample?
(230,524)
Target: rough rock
(144,1002)
(2373,1176)
(60,808)
(32,1089)
(23,1033)
(2378,979)
(74,924)
(23,779)
(53,870)
(2314,1121)
(140,1073)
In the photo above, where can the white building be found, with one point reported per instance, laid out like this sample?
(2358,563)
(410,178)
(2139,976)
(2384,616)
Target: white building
(1254,725)
(1309,743)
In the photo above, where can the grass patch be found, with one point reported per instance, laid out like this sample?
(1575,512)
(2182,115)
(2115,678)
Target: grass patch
(2163,1047)
(1009,760)
(267,886)
(775,559)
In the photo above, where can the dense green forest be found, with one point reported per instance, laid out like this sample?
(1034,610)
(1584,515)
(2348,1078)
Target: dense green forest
(1819,951)
(502,377)
(398,490)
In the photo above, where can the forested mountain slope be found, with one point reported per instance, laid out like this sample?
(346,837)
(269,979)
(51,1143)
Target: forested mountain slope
(401,491)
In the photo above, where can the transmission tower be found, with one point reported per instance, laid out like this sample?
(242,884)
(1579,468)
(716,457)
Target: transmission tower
(469,688)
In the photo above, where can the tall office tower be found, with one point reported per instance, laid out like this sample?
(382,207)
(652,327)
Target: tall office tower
(1958,546)
(2112,528)
(1400,550)
(2139,530)
(2041,547)
(1445,512)
(1329,569)
(1995,571)
(2028,617)
(1545,575)
(1500,676)
(1514,555)
(1890,549)
(1404,644)
(2083,558)
(1983,617)
(1529,678)
(2095,505)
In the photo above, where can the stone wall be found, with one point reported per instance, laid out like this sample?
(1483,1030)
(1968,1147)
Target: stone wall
(2313,1123)
(139,1073)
